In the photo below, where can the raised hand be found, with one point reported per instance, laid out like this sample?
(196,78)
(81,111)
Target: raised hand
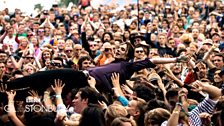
(3,88)
(102,104)
(92,82)
(58,86)
(115,79)
(33,93)
(197,86)
(11,94)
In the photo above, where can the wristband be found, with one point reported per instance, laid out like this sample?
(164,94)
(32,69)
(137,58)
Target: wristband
(46,92)
(122,100)
(176,112)
(57,96)
(10,101)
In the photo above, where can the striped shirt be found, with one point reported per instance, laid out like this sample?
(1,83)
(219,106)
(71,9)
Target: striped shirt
(207,105)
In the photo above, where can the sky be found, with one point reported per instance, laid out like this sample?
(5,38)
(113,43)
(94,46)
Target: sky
(27,6)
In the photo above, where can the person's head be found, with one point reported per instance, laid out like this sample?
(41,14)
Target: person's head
(3,56)
(29,58)
(113,111)
(23,42)
(172,97)
(156,117)
(196,24)
(195,33)
(84,62)
(61,44)
(123,121)
(29,68)
(46,54)
(171,43)
(136,108)
(34,41)
(107,48)
(162,39)
(107,37)
(83,97)
(56,63)
(139,53)
(217,77)
(201,69)
(125,51)
(218,60)
(92,116)
(94,46)
(176,68)
(69,51)
(77,49)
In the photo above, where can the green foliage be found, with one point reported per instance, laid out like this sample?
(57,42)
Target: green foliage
(39,6)
(66,2)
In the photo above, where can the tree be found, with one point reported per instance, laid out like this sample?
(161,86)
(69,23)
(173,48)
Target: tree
(66,2)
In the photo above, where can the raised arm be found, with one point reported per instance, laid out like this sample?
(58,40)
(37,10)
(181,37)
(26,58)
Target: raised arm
(12,110)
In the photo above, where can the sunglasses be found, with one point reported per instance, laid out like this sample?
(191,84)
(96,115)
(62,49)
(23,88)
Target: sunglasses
(68,51)
(40,30)
(93,45)
(139,51)
(78,49)
(107,49)
(28,57)
(55,64)
(30,35)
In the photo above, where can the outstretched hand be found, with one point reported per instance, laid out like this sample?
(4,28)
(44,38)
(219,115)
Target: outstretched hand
(184,59)
(58,86)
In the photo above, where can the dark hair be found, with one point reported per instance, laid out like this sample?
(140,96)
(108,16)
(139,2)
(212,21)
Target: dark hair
(40,119)
(17,72)
(155,103)
(90,94)
(83,59)
(172,92)
(109,33)
(92,116)
(220,55)
(144,92)
(58,58)
(130,49)
(145,48)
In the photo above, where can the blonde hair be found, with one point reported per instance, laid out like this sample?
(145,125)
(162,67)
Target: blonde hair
(157,115)
(113,111)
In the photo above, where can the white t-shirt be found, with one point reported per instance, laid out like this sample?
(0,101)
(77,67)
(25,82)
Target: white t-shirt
(11,41)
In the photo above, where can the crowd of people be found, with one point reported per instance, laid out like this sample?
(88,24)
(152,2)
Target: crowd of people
(146,64)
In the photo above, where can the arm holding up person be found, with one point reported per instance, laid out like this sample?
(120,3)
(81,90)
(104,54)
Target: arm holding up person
(170,60)
(11,108)
(208,104)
